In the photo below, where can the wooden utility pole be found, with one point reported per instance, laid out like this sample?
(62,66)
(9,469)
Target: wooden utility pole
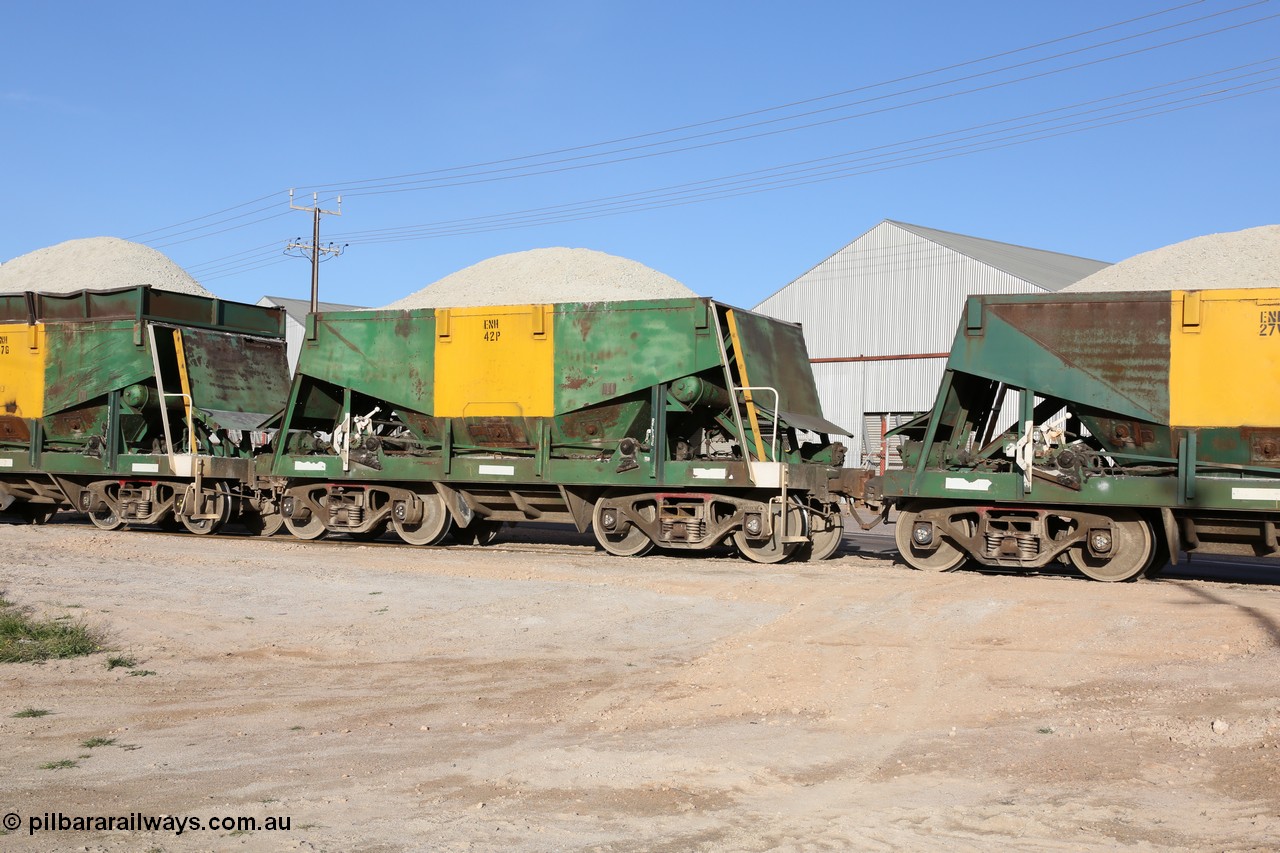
(314,246)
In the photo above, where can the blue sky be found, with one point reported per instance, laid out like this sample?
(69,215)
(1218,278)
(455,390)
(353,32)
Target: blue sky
(126,119)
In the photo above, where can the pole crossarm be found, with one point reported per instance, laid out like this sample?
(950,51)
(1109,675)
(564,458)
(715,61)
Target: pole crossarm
(314,246)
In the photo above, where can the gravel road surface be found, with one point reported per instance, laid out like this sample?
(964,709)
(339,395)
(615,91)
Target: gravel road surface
(539,695)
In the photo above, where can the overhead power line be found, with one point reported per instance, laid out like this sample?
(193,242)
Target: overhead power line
(206,216)
(931,140)
(948,145)
(883,167)
(222,230)
(366,184)
(237,257)
(930,148)
(381,186)
(468,180)
(352,185)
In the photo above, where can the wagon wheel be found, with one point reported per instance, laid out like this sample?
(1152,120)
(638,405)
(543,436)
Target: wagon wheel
(826,532)
(221,505)
(481,531)
(1131,551)
(773,549)
(312,528)
(435,524)
(945,558)
(107,518)
(629,541)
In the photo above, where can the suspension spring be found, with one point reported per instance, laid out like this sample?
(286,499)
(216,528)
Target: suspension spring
(684,529)
(346,516)
(1027,545)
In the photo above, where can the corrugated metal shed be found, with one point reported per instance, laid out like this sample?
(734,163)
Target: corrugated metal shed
(880,314)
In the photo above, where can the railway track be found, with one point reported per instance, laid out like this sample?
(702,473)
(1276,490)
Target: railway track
(534,538)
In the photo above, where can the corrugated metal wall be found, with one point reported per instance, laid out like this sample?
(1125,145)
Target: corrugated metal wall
(888,293)
(878,451)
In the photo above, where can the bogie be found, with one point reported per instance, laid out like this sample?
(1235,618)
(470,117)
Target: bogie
(1114,545)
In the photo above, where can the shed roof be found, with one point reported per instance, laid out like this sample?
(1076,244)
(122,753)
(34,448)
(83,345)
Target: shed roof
(298,309)
(1044,269)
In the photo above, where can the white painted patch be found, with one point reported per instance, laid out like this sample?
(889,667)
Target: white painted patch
(146,467)
(710,474)
(498,470)
(299,465)
(767,475)
(959,484)
(1244,493)
(6,463)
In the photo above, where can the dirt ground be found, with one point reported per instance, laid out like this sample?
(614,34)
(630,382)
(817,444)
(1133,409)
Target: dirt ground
(539,695)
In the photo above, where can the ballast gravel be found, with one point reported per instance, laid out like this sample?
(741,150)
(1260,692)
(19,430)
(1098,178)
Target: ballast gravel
(95,263)
(546,275)
(1248,258)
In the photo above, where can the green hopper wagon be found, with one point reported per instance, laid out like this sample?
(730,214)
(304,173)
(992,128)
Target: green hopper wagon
(1112,430)
(137,406)
(680,423)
